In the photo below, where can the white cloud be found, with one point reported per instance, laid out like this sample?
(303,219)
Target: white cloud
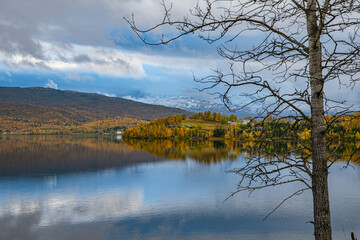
(77,58)
(8,73)
(74,59)
(106,94)
(51,84)
(41,39)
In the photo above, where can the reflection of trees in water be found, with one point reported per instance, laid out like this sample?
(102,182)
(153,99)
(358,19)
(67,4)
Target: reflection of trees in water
(219,144)
(47,154)
(217,151)
(266,164)
(200,150)
(340,151)
(205,151)
(55,144)
(33,155)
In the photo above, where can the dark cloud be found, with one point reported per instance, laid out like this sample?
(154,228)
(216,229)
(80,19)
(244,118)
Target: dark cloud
(92,22)
(41,65)
(24,23)
(83,58)
(18,39)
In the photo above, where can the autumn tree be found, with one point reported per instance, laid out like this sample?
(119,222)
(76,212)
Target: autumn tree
(304,44)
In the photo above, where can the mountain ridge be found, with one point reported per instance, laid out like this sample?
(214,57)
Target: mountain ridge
(199,105)
(91,105)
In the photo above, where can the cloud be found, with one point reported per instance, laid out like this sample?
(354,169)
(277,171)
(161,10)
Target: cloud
(89,22)
(51,84)
(81,39)
(82,58)
(74,76)
(8,73)
(73,59)
(41,35)
(78,58)
(106,94)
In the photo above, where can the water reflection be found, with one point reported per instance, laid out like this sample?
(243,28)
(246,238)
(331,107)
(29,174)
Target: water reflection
(216,151)
(39,155)
(136,195)
(73,208)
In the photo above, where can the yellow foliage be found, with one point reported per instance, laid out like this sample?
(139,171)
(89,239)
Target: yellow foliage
(55,125)
(305,135)
(229,135)
(357,136)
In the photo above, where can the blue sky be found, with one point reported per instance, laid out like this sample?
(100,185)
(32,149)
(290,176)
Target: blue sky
(88,46)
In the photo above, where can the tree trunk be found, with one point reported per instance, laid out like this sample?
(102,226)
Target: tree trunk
(322,223)
(320,190)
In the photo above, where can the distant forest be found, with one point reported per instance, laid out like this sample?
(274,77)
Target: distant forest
(207,125)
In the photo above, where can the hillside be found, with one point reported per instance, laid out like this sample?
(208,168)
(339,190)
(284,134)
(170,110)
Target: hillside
(55,123)
(79,107)
(44,114)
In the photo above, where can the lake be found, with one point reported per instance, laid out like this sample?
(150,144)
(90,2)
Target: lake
(77,187)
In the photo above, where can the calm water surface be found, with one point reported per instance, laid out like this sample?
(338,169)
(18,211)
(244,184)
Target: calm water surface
(100,188)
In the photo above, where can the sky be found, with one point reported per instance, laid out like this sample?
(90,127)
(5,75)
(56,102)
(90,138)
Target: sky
(86,45)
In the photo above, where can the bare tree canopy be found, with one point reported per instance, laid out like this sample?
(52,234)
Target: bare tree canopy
(302,47)
(284,50)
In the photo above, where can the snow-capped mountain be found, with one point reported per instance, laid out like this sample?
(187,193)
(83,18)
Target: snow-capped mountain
(195,105)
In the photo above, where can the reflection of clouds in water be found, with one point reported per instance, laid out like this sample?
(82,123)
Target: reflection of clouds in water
(73,208)
(168,199)
(15,207)
(163,191)
(51,181)
(76,209)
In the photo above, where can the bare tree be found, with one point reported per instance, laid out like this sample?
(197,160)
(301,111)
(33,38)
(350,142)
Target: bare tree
(304,43)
